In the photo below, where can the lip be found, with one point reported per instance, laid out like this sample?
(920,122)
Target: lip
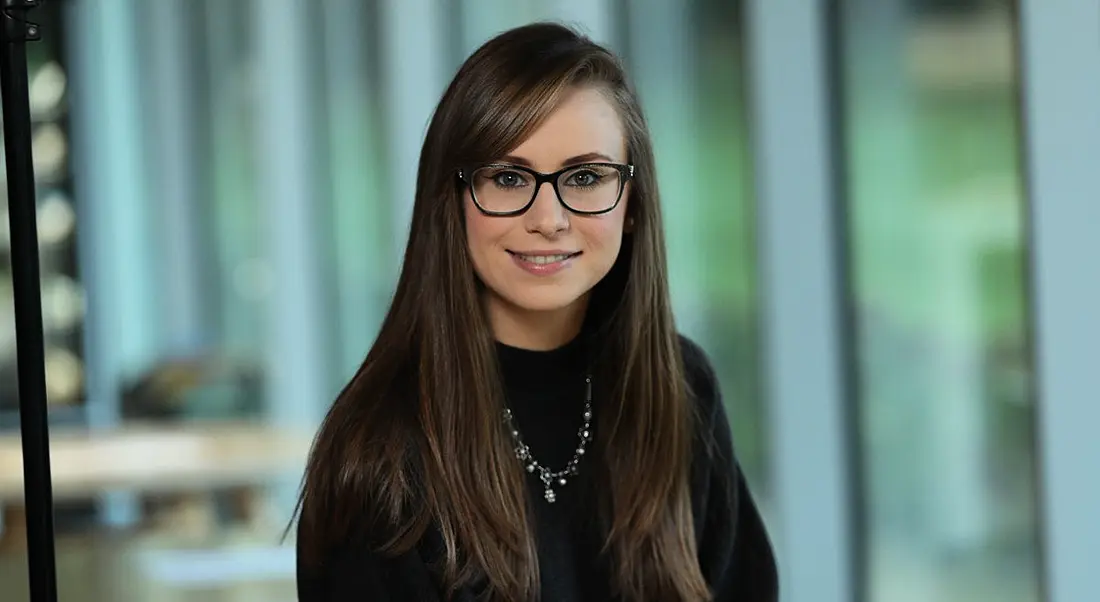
(543,269)
(544,253)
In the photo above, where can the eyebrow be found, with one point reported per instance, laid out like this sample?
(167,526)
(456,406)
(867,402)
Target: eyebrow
(585,158)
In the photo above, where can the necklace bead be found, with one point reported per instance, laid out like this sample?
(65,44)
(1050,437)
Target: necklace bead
(551,478)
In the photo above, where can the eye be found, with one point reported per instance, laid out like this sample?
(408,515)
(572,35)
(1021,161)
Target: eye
(508,179)
(584,178)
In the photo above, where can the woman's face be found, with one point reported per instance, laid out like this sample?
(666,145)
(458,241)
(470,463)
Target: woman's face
(543,263)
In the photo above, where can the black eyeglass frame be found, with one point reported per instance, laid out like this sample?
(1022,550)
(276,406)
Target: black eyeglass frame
(626,173)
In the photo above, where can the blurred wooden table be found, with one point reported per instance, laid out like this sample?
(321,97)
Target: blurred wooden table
(155,459)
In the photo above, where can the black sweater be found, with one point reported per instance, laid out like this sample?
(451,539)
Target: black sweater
(545,391)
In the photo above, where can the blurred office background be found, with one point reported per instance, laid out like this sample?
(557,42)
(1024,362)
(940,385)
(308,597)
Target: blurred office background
(224,190)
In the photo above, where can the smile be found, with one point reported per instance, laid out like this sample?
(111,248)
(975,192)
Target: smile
(543,264)
(544,259)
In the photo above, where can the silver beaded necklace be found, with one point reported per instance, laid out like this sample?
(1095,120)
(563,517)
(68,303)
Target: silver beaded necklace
(550,478)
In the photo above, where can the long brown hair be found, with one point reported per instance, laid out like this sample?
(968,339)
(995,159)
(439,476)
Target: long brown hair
(415,440)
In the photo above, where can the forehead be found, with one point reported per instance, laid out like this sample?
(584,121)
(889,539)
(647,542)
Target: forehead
(584,122)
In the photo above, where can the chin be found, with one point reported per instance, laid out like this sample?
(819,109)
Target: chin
(544,301)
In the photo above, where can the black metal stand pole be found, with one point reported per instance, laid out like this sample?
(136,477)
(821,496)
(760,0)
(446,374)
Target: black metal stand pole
(30,347)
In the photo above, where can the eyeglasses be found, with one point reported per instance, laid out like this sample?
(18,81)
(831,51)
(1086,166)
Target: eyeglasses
(504,190)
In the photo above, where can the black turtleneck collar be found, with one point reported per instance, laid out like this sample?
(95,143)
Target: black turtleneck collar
(526,370)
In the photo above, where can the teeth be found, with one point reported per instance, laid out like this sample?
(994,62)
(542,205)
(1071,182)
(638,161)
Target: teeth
(544,259)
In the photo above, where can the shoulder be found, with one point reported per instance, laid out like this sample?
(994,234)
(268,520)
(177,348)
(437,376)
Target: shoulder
(712,427)
(700,378)
(697,364)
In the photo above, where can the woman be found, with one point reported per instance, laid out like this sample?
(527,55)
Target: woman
(528,424)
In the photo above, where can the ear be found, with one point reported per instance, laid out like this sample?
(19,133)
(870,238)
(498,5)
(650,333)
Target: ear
(631,209)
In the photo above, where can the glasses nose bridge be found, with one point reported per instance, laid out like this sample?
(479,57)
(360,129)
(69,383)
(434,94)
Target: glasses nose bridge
(545,178)
(552,217)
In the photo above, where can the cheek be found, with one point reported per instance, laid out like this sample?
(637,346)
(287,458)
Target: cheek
(605,237)
(613,227)
(479,228)
(474,227)
(482,234)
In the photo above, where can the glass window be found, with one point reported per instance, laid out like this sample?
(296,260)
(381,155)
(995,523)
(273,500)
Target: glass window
(935,206)
(687,63)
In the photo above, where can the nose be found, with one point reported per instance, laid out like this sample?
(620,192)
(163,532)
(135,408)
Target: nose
(547,216)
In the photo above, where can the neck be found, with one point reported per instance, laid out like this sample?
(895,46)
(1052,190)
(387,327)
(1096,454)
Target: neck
(535,330)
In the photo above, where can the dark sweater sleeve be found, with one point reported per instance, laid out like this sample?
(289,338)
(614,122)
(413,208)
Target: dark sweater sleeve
(354,573)
(735,552)
(335,581)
